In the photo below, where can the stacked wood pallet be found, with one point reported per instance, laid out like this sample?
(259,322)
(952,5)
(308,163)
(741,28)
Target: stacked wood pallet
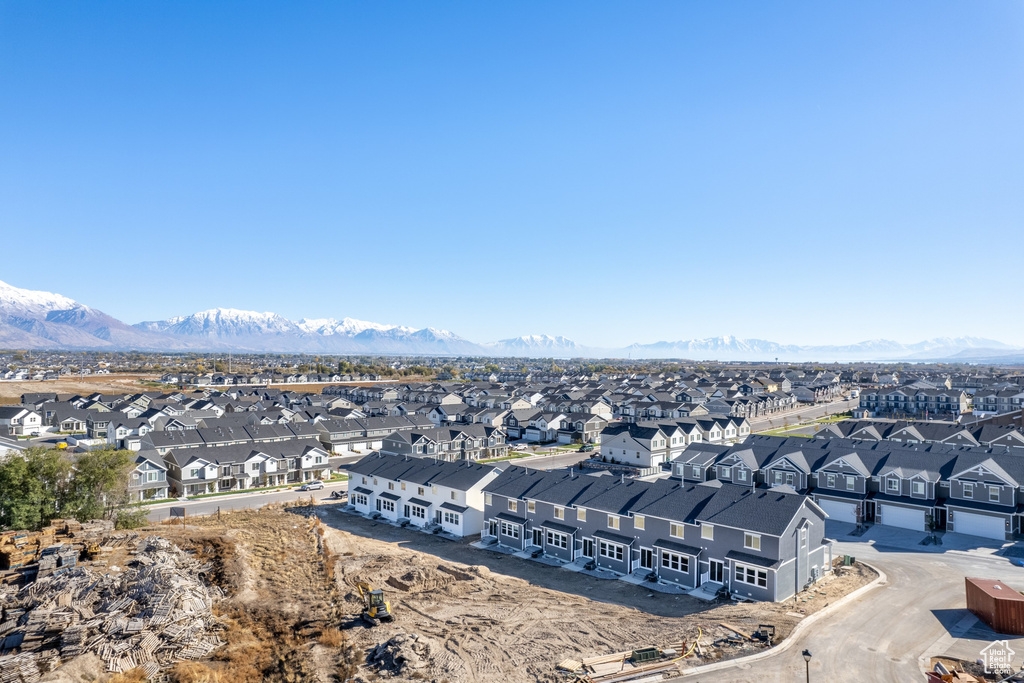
(19,549)
(154,613)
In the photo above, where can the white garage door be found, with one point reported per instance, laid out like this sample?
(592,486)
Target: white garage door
(904,518)
(979,525)
(839,511)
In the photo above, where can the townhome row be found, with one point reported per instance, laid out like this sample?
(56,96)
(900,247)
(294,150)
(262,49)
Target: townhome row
(963,489)
(211,469)
(760,545)
(909,401)
(651,444)
(426,492)
(980,434)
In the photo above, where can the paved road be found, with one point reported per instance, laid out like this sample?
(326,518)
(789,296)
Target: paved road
(209,506)
(809,413)
(881,635)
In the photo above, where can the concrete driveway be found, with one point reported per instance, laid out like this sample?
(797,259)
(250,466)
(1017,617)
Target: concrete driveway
(883,635)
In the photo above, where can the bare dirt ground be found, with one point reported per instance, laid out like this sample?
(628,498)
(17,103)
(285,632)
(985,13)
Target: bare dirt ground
(486,616)
(10,392)
(462,615)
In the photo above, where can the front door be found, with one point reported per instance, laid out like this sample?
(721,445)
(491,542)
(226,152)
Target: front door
(538,537)
(588,547)
(406,515)
(717,571)
(646,558)
(492,529)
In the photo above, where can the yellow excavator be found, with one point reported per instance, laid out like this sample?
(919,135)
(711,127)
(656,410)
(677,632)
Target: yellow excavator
(375,608)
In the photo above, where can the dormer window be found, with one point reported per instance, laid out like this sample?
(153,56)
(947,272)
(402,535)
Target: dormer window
(917,488)
(968,490)
(993,494)
(892,484)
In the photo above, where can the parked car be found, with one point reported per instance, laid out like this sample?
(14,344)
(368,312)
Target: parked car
(586,448)
(312,486)
(519,447)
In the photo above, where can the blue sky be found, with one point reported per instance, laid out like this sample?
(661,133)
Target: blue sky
(615,172)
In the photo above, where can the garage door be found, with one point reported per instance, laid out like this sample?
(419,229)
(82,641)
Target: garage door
(979,525)
(839,511)
(904,518)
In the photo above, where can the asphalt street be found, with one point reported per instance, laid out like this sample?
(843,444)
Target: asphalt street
(880,637)
(793,417)
(240,501)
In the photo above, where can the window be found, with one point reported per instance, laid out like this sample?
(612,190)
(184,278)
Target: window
(510,530)
(433,489)
(361,499)
(851,483)
(451,518)
(707,532)
(968,490)
(581,514)
(531,506)
(386,505)
(419,490)
(419,512)
(993,494)
(558,540)
(675,530)
(513,505)
(613,522)
(403,485)
(638,522)
(741,475)
(193,474)
(375,481)
(453,495)
(610,550)
(487,499)
(892,484)
(751,541)
(364,480)
(754,577)
(830,481)
(917,488)
(254,467)
(391,486)
(559,513)
(675,562)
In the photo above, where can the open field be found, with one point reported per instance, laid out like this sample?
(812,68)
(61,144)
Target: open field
(10,392)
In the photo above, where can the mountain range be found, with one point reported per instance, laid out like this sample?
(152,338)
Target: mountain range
(42,320)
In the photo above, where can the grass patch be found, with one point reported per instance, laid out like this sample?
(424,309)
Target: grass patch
(513,456)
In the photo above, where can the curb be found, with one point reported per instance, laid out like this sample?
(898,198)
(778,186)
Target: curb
(240,495)
(789,642)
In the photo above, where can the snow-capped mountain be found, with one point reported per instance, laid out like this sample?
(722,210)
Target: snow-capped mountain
(32,319)
(348,327)
(253,331)
(223,323)
(43,320)
(730,348)
(537,345)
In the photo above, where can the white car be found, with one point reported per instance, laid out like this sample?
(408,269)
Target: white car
(312,486)
(519,447)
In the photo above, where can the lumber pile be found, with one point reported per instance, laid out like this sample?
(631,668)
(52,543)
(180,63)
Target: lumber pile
(154,613)
(20,549)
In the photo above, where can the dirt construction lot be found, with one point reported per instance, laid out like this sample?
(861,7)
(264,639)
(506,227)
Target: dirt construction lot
(461,614)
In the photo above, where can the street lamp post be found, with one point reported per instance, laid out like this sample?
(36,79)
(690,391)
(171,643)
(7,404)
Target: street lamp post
(807,664)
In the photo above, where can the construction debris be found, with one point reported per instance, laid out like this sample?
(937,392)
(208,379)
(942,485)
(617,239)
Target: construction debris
(21,550)
(400,652)
(150,615)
